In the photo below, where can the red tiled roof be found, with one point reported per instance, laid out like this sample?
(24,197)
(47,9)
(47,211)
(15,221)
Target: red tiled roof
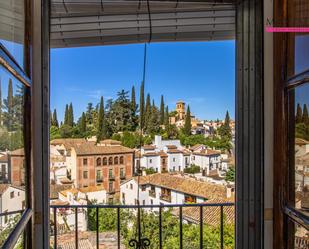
(149,147)
(211,215)
(92,149)
(192,187)
(207,152)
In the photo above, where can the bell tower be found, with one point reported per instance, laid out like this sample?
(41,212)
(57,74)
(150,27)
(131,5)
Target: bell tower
(180,108)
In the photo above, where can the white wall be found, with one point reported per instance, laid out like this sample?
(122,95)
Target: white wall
(8,204)
(171,163)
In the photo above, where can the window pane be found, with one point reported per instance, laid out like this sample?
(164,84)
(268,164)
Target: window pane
(301,53)
(12,30)
(12,180)
(301,160)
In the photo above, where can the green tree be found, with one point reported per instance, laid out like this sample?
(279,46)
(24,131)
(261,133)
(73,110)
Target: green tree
(55,119)
(89,114)
(153,125)
(142,106)
(9,105)
(66,115)
(147,111)
(134,108)
(162,110)
(225,129)
(193,169)
(230,175)
(82,124)
(187,127)
(120,113)
(100,128)
(70,115)
(65,131)
(166,117)
(305,115)
(299,114)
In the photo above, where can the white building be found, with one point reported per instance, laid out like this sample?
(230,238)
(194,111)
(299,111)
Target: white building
(12,198)
(207,160)
(95,194)
(160,189)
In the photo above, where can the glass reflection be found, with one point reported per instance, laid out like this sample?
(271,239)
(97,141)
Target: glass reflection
(301,53)
(302,147)
(12,163)
(12,30)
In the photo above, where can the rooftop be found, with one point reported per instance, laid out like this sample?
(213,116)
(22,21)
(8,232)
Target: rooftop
(187,186)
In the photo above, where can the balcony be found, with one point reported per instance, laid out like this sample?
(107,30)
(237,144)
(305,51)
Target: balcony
(122,176)
(100,179)
(111,177)
(122,226)
(165,197)
(111,191)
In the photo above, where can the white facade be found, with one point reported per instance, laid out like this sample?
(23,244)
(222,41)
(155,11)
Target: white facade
(175,162)
(11,199)
(150,195)
(151,161)
(161,144)
(206,162)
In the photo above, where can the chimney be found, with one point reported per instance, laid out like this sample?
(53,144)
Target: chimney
(158,141)
(229,191)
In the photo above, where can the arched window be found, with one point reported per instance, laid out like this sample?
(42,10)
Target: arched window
(104,160)
(110,161)
(121,160)
(116,160)
(99,161)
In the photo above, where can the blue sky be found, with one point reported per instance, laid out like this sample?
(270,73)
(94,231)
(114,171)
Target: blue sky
(200,73)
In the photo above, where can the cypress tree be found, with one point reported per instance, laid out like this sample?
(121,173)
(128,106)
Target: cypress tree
(142,106)
(83,123)
(66,115)
(187,126)
(147,110)
(55,119)
(162,110)
(100,127)
(71,116)
(10,104)
(51,118)
(133,100)
(299,114)
(166,117)
(227,119)
(153,122)
(305,115)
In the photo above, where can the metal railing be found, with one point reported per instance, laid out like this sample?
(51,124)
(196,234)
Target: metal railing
(141,242)
(19,228)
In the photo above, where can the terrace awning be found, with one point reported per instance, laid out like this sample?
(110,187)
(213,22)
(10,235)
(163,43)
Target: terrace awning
(77,23)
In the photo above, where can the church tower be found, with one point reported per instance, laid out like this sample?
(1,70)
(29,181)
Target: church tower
(181,110)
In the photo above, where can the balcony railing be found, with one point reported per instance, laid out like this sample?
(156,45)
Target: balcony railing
(140,241)
(122,176)
(99,179)
(167,198)
(111,177)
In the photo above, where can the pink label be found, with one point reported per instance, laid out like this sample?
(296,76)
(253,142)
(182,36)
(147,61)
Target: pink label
(287,29)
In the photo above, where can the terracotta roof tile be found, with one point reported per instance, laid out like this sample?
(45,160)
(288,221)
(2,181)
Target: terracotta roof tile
(192,187)
(207,152)
(91,189)
(211,215)
(92,149)
(149,147)
(3,188)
